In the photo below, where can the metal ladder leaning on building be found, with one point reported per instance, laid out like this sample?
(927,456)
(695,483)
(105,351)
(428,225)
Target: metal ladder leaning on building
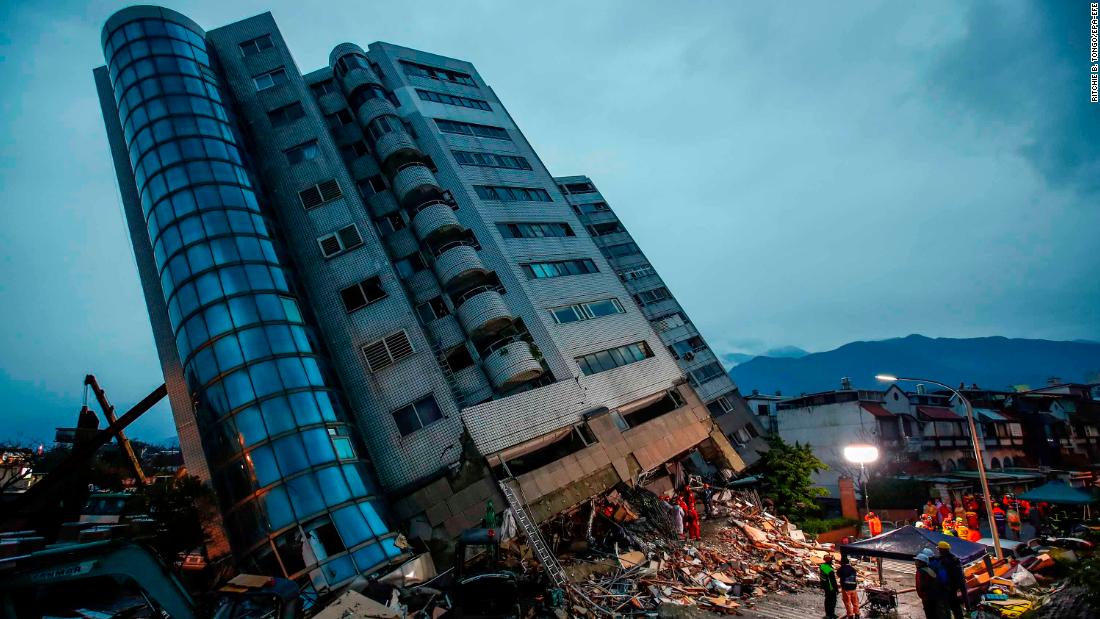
(514,496)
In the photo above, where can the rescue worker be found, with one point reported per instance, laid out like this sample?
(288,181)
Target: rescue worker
(691,520)
(955,593)
(999,519)
(943,511)
(874,523)
(929,589)
(960,511)
(930,510)
(948,527)
(683,514)
(928,521)
(1012,518)
(676,512)
(828,583)
(972,519)
(849,583)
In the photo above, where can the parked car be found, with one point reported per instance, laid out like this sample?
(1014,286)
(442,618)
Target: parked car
(1011,548)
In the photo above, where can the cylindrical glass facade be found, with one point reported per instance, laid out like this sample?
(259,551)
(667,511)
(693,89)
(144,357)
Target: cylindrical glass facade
(296,498)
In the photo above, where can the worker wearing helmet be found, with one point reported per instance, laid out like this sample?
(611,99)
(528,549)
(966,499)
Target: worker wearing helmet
(949,527)
(874,524)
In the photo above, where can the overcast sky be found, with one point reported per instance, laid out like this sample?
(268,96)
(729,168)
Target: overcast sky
(800,175)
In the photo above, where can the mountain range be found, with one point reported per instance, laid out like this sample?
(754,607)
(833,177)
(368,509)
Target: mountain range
(990,362)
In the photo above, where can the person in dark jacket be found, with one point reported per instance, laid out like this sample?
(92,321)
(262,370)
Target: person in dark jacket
(929,589)
(849,583)
(955,591)
(828,583)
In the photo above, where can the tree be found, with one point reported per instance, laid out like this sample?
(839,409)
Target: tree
(786,472)
(177,506)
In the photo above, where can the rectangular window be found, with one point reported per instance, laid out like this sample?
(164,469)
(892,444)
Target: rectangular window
(353,151)
(411,418)
(621,250)
(390,223)
(435,73)
(491,160)
(270,79)
(505,193)
(409,265)
(431,310)
(338,119)
(648,297)
(285,115)
(693,344)
(589,209)
(705,373)
(323,88)
(320,193)
(340,241)
(671,321)
(534,230)
(586,311)
(302,152)
(387,351)
(604,229)
(440,97)
(637,273)
(481,131)
(257,45)
(604,360)
(370,186)
(573,188)
(559,268)
(722,406)
(362,294)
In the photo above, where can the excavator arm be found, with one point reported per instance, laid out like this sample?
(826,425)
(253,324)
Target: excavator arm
(123,442)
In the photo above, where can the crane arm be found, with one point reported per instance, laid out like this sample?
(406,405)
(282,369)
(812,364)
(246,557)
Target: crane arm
(123,442)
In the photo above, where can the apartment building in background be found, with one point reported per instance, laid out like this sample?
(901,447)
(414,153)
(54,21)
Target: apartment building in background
(370,300)
(657,303)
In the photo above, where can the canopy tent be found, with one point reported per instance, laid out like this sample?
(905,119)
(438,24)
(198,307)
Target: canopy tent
(1057,493)
(903,544)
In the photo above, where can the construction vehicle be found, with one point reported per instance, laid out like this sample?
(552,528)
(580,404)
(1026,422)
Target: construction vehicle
(481,587)
(91,383)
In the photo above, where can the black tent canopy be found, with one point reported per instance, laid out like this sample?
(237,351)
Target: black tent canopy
(903,544)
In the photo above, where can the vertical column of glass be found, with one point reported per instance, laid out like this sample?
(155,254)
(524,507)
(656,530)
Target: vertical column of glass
(294,494)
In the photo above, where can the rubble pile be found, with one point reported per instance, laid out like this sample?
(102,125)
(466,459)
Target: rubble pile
(746,553)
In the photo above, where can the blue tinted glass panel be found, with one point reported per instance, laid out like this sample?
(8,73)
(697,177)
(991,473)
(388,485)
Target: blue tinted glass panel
(333,486)
(277,506)
(251,426)
(263,463)
(305,496)
(349,522)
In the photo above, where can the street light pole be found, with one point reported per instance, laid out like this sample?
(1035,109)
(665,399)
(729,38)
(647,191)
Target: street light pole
(977,453)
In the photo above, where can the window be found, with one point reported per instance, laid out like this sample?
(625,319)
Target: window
(280,117)
(342,240)
(338,119)
(705,373)
(366,92)
(320,193)
(409,265)
(546,270)
(649,297)
(580,187)
(257,45)
(481,131)
(387,351)
(353,151)
(670,321)
(432,309)
(534,230)
(411,418)
(458,358)
(512,194)
(589,209)
(435,73)
(351,61)
(342,443)
(323,88)
(370,186)
(303,152)
(491,160)
(604,360)
(270,79)
(722,406)
(382,125)
(362,294)
(621,250)
(390,223)
(632,274)
(586,311)
(604,229)
(693,344)
(439,97)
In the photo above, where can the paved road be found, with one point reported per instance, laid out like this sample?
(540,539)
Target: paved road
(809,603)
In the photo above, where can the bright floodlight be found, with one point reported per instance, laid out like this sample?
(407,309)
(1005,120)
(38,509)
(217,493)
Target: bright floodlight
(886,378)
(861,454)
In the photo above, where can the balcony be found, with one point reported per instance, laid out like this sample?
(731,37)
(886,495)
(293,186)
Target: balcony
(433,219)
(456,263)
(356,77)
(446,332)
(382,204)
(402,243)
(414,182)
(472,384)
(482,311)
(510,363)
(372,109)
(392,143)
(422,286)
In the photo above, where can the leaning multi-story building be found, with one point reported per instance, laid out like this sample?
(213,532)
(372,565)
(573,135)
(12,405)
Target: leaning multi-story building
(669,320)
(357,279)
